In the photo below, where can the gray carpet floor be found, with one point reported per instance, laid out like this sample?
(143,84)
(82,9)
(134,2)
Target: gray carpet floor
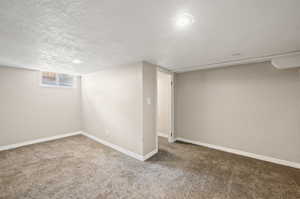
(77,167)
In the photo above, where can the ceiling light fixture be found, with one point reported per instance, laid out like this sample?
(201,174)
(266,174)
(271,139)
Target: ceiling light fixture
(77,61)
(184,19)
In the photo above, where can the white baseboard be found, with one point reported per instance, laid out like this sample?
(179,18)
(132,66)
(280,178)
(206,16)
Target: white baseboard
(160,134)
(120,149)
(149,155)
(13,146)
(243,153)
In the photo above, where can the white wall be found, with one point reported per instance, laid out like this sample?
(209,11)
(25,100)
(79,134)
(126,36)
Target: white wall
(149,109)
(163,103)
(29,111)
(114,106)
(253,108)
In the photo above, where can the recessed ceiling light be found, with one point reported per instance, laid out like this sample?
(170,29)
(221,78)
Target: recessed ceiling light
(184,19)
(77,61)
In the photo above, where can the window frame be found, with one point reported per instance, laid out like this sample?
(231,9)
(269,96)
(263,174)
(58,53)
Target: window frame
(57,85)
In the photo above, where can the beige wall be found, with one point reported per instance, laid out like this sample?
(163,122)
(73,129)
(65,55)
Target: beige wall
(254,108)
(163,103)
(112,106)
(149,109)
(29,111)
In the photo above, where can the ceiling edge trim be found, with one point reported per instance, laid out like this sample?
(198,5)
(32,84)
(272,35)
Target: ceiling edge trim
(234,62)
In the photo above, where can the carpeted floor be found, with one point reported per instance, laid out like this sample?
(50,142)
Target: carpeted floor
(77,167)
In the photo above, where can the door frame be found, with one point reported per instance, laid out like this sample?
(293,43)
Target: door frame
(171,135)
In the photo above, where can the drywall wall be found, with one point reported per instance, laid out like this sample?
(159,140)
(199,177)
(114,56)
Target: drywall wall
(163,103)
(149,107)
(116,109)
(253,108)
(112,106)
(29,111)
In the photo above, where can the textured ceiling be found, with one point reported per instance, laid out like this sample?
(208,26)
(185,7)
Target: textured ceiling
(49,34)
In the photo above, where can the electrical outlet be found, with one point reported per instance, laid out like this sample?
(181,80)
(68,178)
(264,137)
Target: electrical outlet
(149,101)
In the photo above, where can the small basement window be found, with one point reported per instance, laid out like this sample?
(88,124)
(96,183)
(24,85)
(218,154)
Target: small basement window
(51,79)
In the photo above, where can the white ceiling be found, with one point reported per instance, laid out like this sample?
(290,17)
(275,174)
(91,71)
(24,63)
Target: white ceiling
(49,34)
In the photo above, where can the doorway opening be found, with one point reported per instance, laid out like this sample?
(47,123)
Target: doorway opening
(165,111)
